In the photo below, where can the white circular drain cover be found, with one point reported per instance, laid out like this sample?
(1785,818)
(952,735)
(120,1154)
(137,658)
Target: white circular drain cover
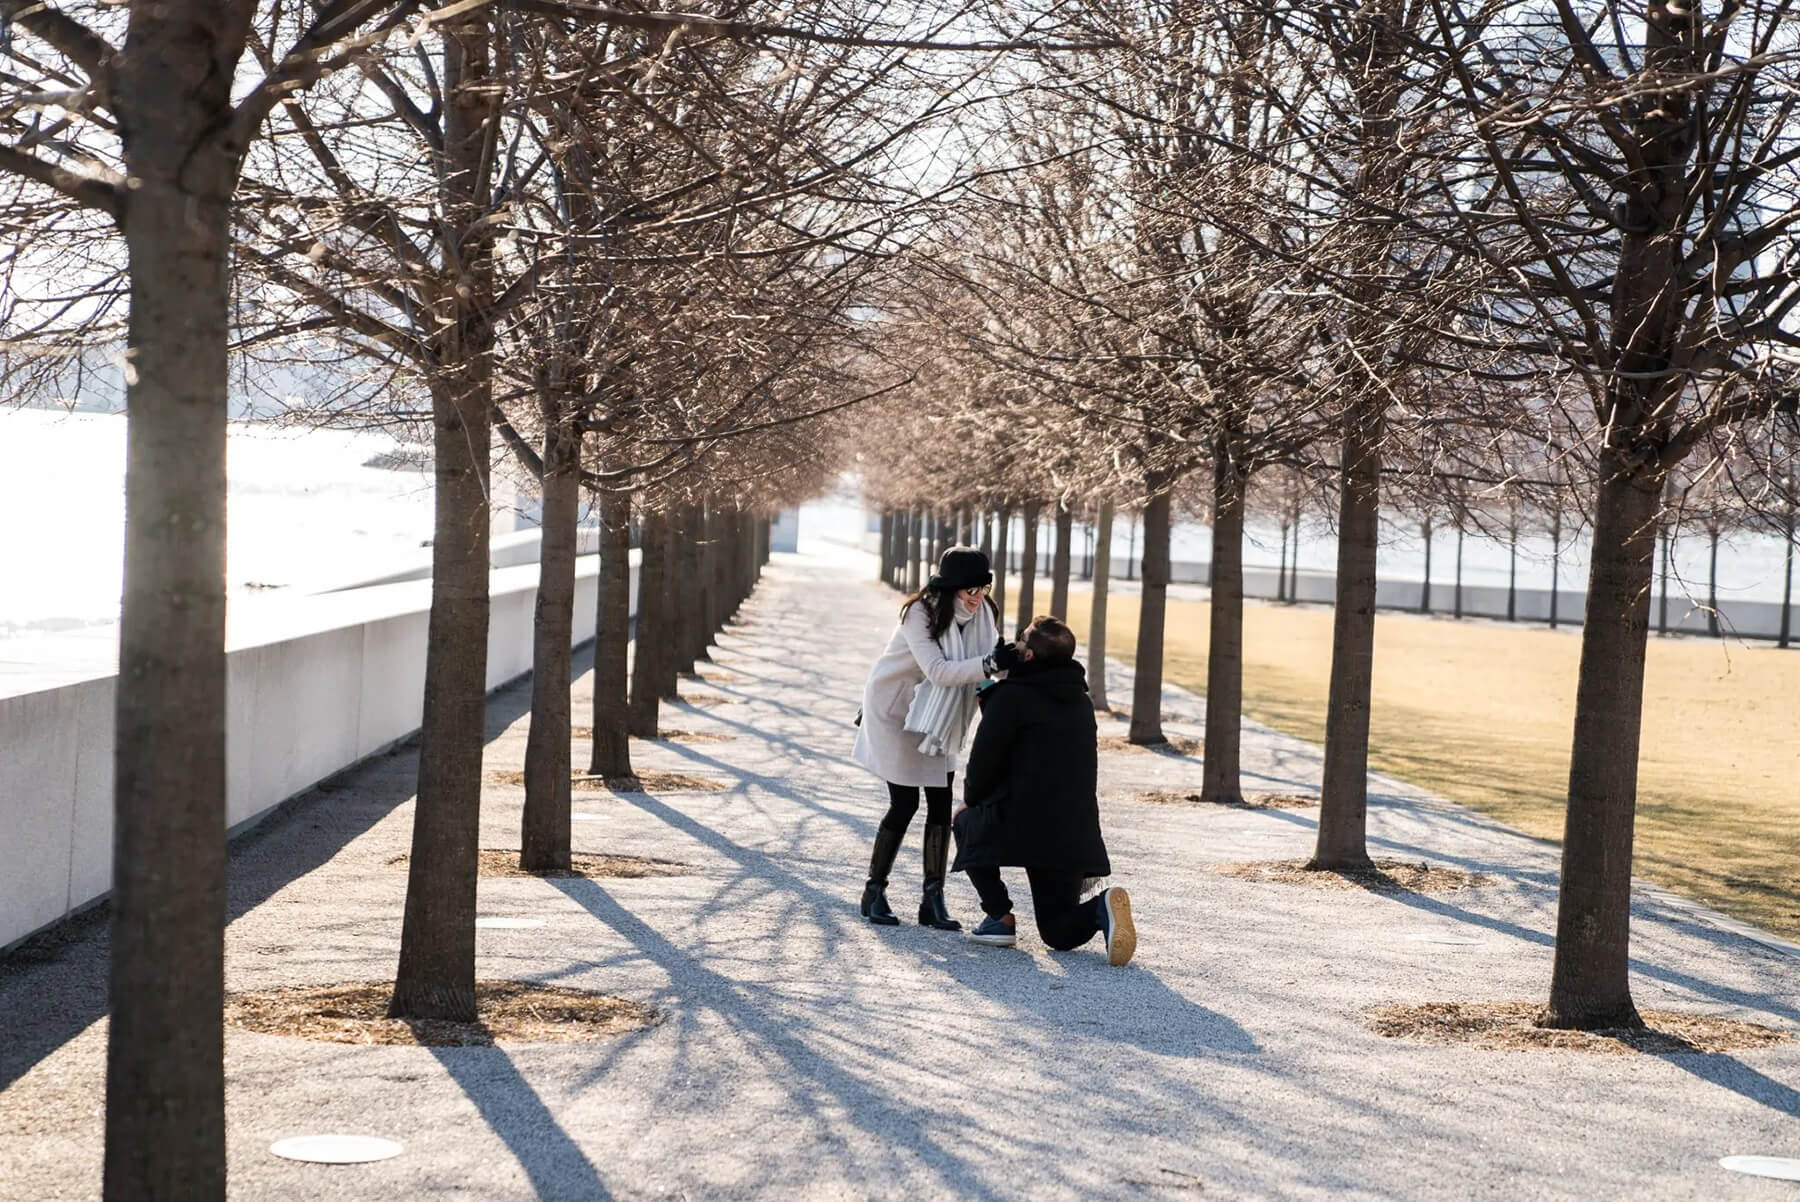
(335,1149)
(1445,937)
(509,924)
(1781,1168)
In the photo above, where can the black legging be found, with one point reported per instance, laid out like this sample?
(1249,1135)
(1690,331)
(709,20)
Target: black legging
(903,803)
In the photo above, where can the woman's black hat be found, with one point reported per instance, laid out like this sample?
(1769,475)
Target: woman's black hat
(962,567)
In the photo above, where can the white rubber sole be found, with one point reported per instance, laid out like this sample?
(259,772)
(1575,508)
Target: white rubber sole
(1121,932)
(993,940)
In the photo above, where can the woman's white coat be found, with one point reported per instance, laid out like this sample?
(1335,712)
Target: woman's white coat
(912,656)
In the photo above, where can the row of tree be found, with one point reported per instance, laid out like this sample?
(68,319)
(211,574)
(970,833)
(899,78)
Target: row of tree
(631,247)
(1507,515)
(1392,253)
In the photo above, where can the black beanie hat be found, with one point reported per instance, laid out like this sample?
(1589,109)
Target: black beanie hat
(962,567)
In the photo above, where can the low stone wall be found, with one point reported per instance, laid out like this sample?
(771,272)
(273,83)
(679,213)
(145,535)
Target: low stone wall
(312,693)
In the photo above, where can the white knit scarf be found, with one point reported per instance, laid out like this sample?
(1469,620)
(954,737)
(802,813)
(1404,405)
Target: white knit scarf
(942,715)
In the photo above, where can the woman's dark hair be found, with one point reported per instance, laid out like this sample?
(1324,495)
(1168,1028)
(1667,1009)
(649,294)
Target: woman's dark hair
(940,608)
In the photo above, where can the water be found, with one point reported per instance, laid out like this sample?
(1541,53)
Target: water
(303,511)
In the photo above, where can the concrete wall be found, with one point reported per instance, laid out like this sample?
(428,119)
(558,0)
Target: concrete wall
(338,686)
(504,551)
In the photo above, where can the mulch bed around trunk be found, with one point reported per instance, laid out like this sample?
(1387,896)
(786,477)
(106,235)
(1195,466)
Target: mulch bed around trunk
(502,861)
(643,782)
(1251,801)
(1176,745)
(707,700)
(1387,876)
(510,1012)
(1512,1026)
(663,736)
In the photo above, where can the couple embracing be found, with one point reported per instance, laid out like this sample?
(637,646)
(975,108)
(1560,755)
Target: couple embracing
(1030,787)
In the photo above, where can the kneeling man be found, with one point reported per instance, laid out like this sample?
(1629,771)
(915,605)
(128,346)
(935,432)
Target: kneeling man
(1031,803)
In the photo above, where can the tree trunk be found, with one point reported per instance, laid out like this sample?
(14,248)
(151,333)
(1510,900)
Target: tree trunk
(1131,554)
(691,590)
(891,555)
(1294,576)
(1662,605)
(746,559)
(1459,550)
(1712,583)
(706,574)
(902,531)
(1059,560)
(1555,563)
(1589,984)
(436,976)
(1146,693)
(1787,580)
(611,756)
(1220,781)
(677,582)
(1344,798)
(165,1093)
(1001,554)
(1425,590)
(1097,614)
(1512,568)
(915,521)
(651,627)
(1028,556)
(712,551)
(887,547)
(1281,593)
(707,567)
(713,555)
(544,826)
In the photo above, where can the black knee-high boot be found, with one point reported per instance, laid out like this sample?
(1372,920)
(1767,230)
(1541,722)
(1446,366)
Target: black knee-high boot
(937,858)
(881,862)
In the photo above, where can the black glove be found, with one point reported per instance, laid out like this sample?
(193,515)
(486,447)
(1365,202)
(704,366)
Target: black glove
(1006,656)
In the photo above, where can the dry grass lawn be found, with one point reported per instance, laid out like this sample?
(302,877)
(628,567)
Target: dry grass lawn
(1481,713)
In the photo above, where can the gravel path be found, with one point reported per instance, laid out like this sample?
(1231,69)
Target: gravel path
(806,1054)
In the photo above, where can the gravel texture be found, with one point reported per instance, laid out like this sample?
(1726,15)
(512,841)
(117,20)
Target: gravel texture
(803,1053)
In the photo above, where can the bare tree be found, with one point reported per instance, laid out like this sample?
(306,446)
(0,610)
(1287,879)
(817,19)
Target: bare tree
(145,114)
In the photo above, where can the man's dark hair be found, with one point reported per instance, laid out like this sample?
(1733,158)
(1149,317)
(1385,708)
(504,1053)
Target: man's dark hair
(1049,638)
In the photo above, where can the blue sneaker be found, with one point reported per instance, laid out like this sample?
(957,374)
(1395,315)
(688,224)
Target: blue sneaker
(995,932)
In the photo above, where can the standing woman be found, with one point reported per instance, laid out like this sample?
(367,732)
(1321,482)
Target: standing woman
(917,706)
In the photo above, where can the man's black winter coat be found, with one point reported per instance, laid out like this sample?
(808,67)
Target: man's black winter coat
(1030,783)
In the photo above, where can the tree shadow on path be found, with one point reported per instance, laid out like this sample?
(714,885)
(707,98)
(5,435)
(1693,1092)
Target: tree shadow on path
(819,1086)
(554,1162)
(1130,1004)
(297,836)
